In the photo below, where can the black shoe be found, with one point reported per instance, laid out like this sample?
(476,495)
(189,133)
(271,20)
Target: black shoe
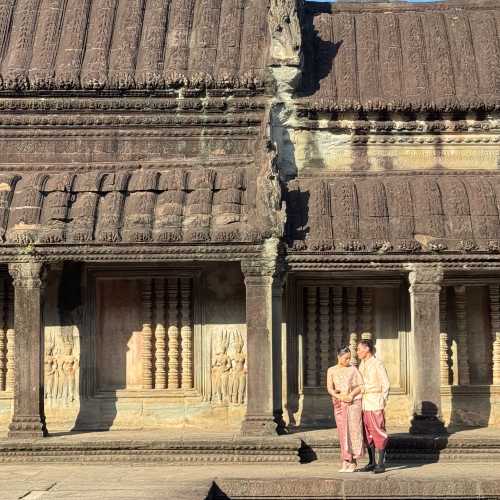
(380,467)
(370,466)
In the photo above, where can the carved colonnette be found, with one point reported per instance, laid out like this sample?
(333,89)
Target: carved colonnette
(444,339)
(3,338)
(346,313)
(494,295)
(335,316)
(6,336)
(462,334)
(169,315)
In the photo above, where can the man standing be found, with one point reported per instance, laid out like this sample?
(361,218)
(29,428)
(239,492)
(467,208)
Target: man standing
(375,392)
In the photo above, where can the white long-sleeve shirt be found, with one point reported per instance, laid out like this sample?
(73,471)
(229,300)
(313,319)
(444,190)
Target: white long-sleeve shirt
(375,384)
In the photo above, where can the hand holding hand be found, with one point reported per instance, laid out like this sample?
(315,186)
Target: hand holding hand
(346,398)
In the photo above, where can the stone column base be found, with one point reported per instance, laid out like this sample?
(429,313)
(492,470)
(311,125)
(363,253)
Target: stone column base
(427,425)
(27,428)
(259,425)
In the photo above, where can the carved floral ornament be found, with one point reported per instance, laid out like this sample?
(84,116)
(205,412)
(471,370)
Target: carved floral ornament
(284,25)
(425,273)
(28,274)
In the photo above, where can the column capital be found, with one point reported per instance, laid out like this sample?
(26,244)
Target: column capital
(425,278)
(28,274)
(271,266)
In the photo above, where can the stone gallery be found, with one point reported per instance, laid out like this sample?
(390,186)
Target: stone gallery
(201,200)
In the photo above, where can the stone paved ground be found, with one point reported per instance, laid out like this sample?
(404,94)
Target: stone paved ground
(103,482)
(188,434)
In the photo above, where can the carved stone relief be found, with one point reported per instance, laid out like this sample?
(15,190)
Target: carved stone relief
(228,367)
(62,365)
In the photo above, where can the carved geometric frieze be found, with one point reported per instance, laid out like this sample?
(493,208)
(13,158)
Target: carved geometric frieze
(99,147)
(142,106)
(323,151)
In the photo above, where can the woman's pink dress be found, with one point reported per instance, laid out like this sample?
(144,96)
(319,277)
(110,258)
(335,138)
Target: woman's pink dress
(348,416)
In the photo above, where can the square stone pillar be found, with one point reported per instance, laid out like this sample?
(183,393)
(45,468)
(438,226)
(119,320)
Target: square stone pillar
(263,316)
(28,419)
(425,287)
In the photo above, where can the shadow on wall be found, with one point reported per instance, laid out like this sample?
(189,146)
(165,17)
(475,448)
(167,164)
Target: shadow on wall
(470,407)
(468,315)
(68,396)
(319,54)
(297,216)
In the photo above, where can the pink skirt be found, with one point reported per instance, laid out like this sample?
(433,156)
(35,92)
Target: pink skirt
(348,417)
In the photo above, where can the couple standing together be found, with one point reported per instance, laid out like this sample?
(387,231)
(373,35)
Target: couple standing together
(359,397)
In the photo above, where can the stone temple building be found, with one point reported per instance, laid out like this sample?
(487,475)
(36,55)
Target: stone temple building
(201,200)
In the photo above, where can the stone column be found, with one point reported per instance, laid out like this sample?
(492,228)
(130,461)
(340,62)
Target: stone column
(263,316)
(425,287)
(28,419)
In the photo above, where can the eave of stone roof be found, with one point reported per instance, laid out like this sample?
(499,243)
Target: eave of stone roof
(132,44)
(172,206)
(401,56)
(395,213)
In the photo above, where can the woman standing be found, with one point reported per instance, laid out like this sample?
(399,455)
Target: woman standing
(344,385)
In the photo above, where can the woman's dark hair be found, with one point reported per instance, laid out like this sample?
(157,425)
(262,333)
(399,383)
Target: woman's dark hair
(343,350)
(367,343)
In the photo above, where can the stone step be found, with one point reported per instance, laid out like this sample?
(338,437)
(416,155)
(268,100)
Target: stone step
(408,448)
(359,487)
(284,449)
(273,450)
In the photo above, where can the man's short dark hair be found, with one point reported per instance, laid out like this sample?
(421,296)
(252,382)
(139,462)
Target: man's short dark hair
(367,343)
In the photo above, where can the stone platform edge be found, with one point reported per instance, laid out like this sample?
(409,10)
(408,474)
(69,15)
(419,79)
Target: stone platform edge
(386,488)
(246,450)
(284,449)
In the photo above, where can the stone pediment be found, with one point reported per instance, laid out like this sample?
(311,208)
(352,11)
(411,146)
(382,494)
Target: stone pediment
(403,213)
(132,44)
(369,56)
(196,205)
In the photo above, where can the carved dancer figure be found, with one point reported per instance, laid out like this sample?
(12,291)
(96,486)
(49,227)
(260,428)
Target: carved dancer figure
(239,373)
(221,369)
(68,374)
(344,384)
(375,391)
(50,374)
